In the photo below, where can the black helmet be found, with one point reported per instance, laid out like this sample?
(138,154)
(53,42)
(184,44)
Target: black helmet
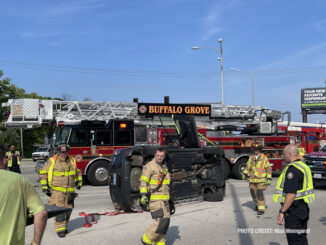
(257,146)
(63,148)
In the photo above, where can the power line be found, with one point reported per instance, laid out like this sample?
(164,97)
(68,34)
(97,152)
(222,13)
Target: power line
(152,73)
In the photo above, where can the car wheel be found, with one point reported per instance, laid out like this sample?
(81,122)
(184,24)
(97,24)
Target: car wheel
(226,168)
(98,173)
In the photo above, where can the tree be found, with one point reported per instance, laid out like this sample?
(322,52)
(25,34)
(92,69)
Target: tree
(67,97)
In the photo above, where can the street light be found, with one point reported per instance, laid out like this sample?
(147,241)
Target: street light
(220,51)
(252,82)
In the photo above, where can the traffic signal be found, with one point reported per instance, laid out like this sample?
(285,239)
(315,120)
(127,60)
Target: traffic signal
(166,99)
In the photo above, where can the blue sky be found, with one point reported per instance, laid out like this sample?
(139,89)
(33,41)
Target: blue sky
(115,50)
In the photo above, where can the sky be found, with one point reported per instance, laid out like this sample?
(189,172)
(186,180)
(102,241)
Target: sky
(116,50)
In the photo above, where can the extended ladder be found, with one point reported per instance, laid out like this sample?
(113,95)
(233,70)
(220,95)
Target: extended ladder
(29,113)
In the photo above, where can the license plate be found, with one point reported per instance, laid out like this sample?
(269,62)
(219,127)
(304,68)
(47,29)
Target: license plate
(317,176)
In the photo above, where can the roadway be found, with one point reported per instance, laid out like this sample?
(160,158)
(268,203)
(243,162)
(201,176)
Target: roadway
(229,222)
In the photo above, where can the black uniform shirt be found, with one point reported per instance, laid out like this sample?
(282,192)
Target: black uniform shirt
(293,180)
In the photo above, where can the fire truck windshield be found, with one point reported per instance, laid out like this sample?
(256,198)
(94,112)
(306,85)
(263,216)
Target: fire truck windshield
(62,135)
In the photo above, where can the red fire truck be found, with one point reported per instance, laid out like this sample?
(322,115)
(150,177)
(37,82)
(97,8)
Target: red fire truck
(95,129)
(237,147)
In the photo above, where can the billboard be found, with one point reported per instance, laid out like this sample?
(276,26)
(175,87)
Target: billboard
(313,98)
(149,109)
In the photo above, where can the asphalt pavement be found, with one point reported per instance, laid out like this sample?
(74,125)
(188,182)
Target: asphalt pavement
(232,221)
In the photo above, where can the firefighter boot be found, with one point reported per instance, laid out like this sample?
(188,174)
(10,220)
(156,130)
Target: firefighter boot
(61,234)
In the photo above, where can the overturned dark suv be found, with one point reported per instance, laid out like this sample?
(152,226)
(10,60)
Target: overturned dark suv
(197,172)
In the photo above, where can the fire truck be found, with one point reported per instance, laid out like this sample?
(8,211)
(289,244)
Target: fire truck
(95,129)
(237,148)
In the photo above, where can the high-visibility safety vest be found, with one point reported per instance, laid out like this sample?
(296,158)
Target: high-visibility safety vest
(50,173)
(259,169)
(10,155)
(307,191)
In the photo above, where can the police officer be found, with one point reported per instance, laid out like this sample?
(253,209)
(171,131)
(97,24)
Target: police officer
(155,191)
(59,177)
(13,160)
(294,190)
(259,174)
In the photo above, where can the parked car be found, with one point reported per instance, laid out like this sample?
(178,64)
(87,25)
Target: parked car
(317,163)
(41,153)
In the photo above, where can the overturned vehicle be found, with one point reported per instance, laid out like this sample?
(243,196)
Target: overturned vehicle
(197,172)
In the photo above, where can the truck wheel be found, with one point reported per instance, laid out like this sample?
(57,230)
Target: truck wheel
(218,196)
(238,168)
(98,173)
(226,168)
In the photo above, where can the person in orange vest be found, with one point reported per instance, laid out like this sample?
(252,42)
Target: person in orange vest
(13,160)
(58,178)
(259,174)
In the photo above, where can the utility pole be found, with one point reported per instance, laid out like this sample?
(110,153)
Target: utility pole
(222,72)
(21,142)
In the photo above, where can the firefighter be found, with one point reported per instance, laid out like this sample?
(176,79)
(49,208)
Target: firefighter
(155,191)
(13,160)
(294,190)
(301,150)
(59,177)
(259,174)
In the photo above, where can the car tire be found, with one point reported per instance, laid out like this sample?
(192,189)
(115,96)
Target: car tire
(226,168)
(98,173)
(238,168)
(218,196)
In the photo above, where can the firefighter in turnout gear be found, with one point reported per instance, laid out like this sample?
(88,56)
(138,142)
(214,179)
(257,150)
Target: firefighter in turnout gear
(59,177)
(13,160)
(294,190)
(259,174)
(155,191)
(301,149)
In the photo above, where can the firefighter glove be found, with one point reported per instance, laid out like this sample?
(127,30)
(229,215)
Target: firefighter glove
(269,181)
(46,191)
(244,176)
(79,185)
(144,200)
(165,171)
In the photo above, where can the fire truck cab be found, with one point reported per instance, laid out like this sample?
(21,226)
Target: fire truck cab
(93,142)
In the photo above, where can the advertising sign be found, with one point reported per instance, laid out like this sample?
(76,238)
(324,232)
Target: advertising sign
(313,98)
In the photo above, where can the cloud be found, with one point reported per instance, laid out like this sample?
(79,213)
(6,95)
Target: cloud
(320,26)
(74,7)
(211,23)
(32,34)
(293,57)
(57,43)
